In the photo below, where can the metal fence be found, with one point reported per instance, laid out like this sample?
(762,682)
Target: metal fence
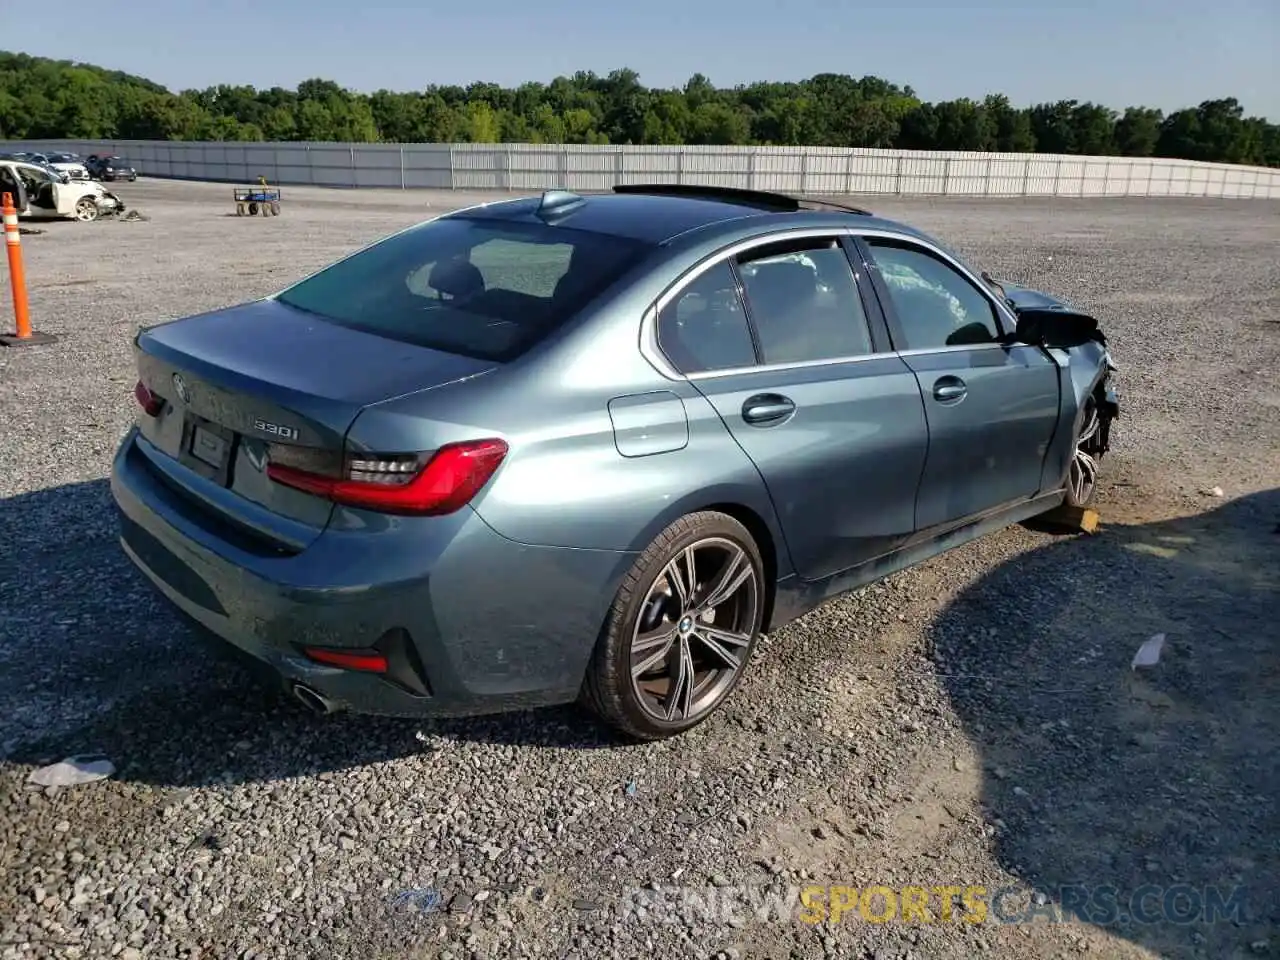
(807,170)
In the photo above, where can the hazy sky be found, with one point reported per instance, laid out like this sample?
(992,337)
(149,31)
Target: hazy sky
(1162,53)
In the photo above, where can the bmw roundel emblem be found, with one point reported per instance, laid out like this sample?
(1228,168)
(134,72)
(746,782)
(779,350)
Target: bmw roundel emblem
(180,386)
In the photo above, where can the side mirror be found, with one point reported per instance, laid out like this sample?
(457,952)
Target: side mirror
(1056,328)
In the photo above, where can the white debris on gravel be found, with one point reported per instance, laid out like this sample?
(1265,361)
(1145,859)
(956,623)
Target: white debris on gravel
(72,772)
(1148,654)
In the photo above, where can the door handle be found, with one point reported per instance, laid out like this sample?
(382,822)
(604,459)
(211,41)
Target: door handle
(767,408)
(949,390)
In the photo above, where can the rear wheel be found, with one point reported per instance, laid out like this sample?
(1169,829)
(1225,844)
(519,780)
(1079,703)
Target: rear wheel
(86,210)
(681,629)
(253,209)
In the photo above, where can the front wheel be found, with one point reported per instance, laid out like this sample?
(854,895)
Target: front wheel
(1082,477)
(681,629)
(86,210)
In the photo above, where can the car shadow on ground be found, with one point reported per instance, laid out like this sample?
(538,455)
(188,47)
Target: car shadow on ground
(1152,793)
(94,660)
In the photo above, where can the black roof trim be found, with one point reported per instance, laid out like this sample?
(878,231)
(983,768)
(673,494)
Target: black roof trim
(782,202)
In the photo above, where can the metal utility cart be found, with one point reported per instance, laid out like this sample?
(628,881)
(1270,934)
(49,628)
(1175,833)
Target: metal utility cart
(262,198)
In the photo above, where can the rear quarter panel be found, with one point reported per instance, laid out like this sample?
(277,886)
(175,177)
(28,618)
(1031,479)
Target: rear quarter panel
(575,489)
(580,474)
(566,481)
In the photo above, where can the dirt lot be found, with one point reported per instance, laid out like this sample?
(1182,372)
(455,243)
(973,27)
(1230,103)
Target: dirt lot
(970,723)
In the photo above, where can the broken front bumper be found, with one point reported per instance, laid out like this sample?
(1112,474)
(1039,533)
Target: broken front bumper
(1108,408)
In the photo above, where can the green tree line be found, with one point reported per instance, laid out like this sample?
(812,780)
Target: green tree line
(53,99)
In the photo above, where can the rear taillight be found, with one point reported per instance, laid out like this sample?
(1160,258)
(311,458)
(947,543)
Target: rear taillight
(402,483)
(151,403)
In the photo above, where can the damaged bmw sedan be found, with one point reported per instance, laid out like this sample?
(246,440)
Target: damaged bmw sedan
(591,448)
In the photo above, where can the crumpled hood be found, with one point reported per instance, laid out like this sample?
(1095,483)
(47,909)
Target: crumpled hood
(99,189)
(1028,299)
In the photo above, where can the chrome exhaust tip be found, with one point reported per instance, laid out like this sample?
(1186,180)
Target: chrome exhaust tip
(312,700)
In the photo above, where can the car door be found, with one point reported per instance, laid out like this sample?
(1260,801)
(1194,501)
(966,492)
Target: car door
(11,183)
(778,337)
(991,406)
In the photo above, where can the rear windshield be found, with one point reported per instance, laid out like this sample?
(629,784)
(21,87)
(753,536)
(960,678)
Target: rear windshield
(481,288)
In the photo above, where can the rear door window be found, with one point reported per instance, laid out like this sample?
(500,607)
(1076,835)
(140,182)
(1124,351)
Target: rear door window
(804,302)
(704,327)
(486,289)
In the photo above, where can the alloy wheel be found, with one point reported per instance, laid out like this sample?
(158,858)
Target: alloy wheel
(1083,476)
(694,631)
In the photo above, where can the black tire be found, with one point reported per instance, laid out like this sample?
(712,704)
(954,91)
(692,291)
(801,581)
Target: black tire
(608,688)
(253,209)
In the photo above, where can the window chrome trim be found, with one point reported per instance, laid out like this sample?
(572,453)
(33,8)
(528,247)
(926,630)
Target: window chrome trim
(791,365)
(649,348)
(652,351)
(955,348)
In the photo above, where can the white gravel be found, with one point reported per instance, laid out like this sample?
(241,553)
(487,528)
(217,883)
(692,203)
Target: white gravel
(971,721)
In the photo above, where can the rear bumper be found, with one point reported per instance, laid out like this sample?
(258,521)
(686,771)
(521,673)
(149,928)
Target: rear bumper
(491,624)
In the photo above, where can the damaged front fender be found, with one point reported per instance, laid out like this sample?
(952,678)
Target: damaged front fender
(1057,325)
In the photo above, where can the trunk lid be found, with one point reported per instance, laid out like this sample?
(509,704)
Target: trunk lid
(240,379)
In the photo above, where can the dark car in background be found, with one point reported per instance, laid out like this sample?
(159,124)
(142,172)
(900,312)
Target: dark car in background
(110,168)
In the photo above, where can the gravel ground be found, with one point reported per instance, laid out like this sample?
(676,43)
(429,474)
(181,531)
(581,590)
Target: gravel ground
(971,722)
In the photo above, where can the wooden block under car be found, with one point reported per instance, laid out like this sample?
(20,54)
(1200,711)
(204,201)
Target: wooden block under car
(1066,519)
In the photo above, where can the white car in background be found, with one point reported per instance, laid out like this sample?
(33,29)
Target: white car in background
(40,190)
(68,163)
